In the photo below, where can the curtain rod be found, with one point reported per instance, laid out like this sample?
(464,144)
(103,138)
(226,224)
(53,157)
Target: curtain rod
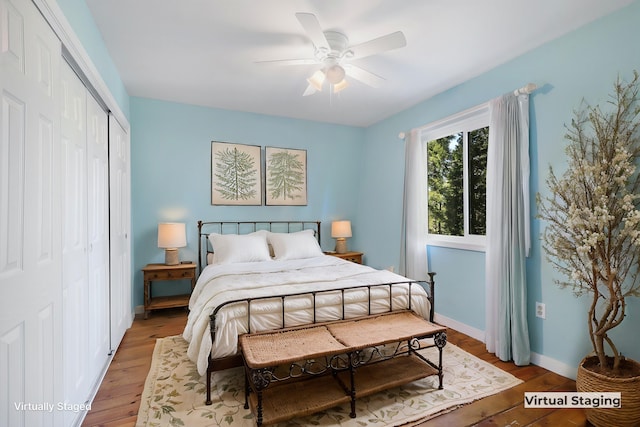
(526,89)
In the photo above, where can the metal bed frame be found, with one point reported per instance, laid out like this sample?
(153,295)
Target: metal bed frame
(245,227)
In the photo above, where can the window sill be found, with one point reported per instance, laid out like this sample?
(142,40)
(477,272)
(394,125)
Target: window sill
(464,244)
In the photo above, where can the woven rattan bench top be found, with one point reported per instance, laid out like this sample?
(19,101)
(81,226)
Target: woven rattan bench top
(382,329)
(282,347)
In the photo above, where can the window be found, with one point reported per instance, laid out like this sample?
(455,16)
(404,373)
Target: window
(456,179)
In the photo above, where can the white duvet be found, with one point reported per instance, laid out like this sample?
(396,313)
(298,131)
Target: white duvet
(229,282)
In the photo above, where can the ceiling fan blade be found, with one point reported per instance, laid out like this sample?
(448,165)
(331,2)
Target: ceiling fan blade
(312,27)
(381,44)
(364,76)
(306,61)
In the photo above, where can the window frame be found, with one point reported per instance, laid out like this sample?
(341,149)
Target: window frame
(465,121)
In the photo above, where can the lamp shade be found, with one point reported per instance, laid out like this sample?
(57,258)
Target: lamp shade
(340,229)
(172,235)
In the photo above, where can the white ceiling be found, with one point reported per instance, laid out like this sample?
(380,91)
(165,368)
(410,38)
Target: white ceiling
(203,52)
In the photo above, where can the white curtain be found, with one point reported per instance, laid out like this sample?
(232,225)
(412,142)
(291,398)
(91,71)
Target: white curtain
(508,229)
(413,256)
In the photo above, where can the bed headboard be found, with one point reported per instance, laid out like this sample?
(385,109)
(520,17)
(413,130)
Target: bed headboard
(244,227)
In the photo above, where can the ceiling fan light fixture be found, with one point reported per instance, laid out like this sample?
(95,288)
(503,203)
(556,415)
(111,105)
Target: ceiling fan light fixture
(340,86)
(316,80)
(335,74)
(331,47)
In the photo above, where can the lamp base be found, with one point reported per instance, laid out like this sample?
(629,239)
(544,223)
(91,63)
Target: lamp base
(171,257)
(341,245)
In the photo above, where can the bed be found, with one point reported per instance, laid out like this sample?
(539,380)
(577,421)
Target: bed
(258,276)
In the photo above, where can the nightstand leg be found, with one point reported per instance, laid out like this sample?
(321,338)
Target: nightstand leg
(147,297)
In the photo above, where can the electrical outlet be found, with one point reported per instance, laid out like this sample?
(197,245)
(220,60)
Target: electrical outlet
(541,310)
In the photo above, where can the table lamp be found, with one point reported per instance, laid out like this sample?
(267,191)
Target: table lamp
(341,230)
(171,236)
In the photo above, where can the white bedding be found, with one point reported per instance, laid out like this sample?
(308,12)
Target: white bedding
(228,282)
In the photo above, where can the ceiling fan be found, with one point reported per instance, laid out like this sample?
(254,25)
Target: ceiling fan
(332,50)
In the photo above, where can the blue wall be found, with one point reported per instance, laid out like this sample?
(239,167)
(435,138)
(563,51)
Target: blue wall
(171,170)
(583,64)
(80,18)
(357,173)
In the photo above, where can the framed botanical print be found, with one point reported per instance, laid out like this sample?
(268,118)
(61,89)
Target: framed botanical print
(236,174)
(285,177)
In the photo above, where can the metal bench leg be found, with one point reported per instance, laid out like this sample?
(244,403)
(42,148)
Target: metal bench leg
(440,340)
(352,362)
(260,379)
(259,420)
(247,389)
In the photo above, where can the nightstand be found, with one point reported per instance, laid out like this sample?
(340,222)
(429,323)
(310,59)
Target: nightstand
(155,272)
(349,256)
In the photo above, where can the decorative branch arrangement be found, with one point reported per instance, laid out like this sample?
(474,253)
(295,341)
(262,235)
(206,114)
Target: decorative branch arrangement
(592,235)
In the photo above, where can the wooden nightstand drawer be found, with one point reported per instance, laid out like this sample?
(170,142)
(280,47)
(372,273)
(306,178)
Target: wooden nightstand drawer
(171,274)
(349,256)
(354,258)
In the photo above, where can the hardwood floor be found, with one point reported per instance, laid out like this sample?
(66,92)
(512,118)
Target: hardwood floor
(118,399)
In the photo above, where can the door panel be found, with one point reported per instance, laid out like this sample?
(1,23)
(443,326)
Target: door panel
(75,294)
(30,201)
(120,200)
(98,236)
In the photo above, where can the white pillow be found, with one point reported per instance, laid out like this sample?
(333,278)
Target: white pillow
(265,233)
(230,248)
(301,244)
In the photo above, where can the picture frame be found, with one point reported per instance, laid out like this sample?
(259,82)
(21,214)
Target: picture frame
(236,174)
(285,177)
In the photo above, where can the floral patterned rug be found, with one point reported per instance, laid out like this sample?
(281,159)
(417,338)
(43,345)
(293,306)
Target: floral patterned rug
(174,393)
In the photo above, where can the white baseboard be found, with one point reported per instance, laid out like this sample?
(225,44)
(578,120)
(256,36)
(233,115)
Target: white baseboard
(459,326)
(541,360)
(139,309)
(554,365)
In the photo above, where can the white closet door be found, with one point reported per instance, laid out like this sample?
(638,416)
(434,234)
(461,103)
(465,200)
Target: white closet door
(30,261)
(98,237)
(75,293)
(120,208)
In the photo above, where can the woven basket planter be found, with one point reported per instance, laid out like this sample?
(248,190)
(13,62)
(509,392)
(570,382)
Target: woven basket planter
(626,416)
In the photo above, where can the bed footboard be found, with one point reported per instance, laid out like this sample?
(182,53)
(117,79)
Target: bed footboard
(232,361)
(248,301)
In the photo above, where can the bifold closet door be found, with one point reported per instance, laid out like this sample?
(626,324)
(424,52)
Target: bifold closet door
(31,347)
(75,290)
(97,237)
(85,240)
(120,216)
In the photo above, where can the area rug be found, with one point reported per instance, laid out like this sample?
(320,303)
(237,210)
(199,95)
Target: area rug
(174,393)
